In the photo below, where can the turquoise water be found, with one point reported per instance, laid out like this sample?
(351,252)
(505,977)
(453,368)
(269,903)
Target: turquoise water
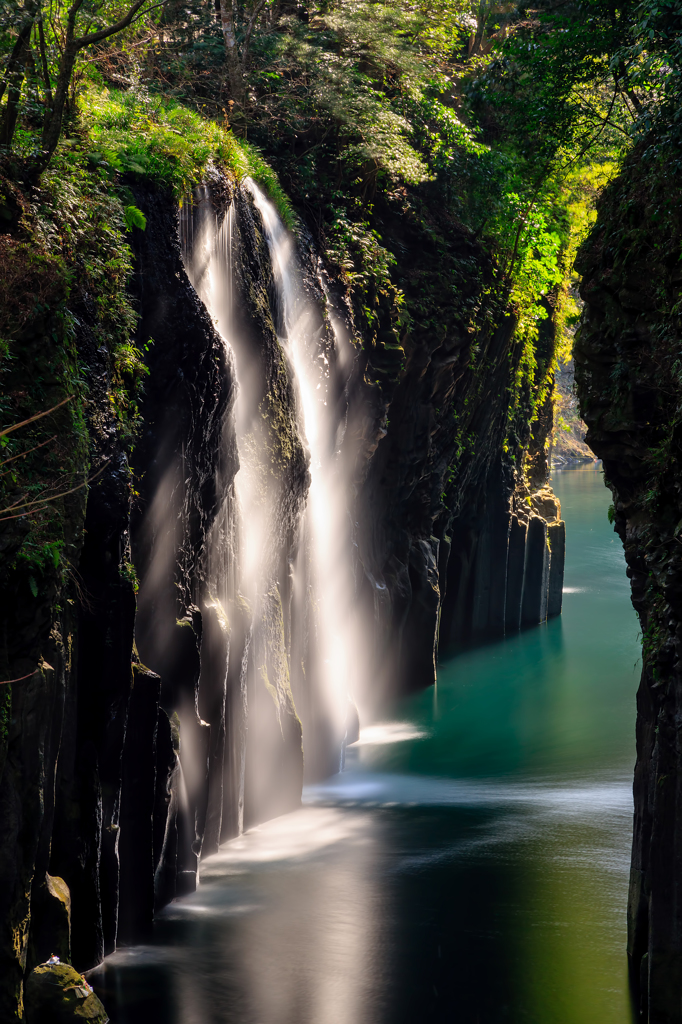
(471,863)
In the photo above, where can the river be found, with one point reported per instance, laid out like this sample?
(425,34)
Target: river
(469,865)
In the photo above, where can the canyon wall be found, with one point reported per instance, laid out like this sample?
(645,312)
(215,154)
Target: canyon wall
(89,757)
(459,538)
(627,358)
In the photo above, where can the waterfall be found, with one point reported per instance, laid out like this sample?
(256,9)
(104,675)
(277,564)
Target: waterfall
(279,560)
(318,370)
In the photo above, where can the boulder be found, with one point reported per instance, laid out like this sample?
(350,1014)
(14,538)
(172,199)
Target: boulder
(57,994)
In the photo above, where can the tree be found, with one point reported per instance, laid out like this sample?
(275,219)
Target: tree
(236,58)
(70,46)
(569,74)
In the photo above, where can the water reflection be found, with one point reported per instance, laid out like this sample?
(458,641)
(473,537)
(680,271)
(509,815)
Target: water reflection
(470,864)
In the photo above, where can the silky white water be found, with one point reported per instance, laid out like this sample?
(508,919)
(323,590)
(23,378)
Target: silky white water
(326,525)
(323,647)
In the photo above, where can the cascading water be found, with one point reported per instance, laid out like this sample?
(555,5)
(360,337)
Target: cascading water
(318,369)
(279,564)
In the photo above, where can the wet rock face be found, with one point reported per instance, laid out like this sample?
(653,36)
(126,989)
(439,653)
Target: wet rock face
(64,726)
(50,921)
(505,565)
(627,371)
(85,749)
(447,552)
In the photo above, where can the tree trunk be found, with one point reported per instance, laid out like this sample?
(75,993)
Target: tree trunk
(249,29)
(476,40)
(43,61)
(16,56)
(14,77)
(15,82)
(234,69)
(52,125)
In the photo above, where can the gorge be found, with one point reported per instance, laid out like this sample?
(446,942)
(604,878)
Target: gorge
(278,386)
(229,645)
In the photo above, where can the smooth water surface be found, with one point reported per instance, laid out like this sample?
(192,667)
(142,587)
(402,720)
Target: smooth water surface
(471,863)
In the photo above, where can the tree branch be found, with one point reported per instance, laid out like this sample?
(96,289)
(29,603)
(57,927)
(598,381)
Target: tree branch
(38,416)
(43,60)
(4,682)
(249,29)
(42,502)
(22,455)
(17,49)
(104,33)
(71,21)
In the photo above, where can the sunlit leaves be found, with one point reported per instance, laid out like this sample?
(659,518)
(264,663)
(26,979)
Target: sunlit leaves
(135,133)
(134,218)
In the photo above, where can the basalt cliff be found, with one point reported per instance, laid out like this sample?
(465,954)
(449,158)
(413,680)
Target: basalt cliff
(628,371)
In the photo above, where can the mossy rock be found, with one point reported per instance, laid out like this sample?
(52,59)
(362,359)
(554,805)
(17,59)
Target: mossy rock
(58,994)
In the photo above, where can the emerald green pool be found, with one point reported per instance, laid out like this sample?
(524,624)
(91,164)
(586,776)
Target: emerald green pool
(469,865)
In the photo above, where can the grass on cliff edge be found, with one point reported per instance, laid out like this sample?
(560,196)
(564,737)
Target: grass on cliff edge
(137,132)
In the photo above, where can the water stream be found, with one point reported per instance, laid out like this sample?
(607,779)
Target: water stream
(284,555)
(471,862)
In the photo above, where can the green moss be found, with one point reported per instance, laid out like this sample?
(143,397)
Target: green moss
(281,435)
(59,993)
(274,667)
(261,172)
(144,134)
(139,133)
(128,572)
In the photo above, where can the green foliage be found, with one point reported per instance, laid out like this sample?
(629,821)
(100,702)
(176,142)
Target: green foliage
(551,80)
(134,218)
(256,167)
(128,572)
(144,135)
(69,265)
(653,62)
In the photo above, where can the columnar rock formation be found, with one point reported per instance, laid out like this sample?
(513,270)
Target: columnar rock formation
(452,548)
(628,373)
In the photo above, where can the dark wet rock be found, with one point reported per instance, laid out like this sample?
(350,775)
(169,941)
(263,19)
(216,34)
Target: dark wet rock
(50,932)
(536,574)
(164,821)
(22,811)
(556,536)
(516,560)
(138,794)
(212,701)
(443,527)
